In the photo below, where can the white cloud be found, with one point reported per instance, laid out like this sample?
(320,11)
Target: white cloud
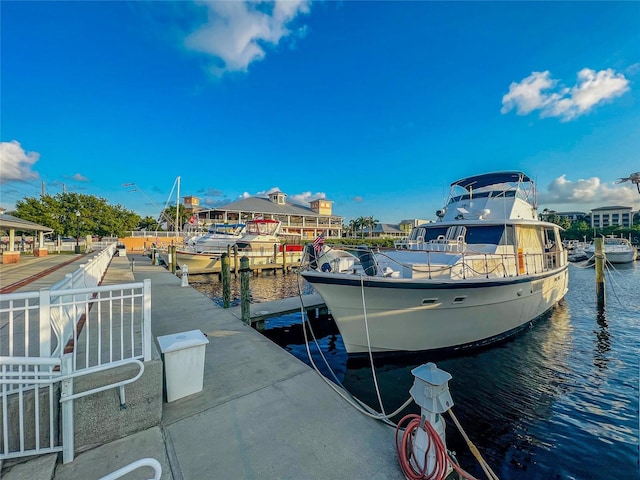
(16,164)
(79,178)
(540,92)
(237,32)
(305,198)
(528,95)
(262,193)
(585,194)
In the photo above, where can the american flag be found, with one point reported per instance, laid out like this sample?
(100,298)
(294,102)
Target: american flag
(318,242)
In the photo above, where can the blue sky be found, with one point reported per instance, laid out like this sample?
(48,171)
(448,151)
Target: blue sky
(377,106)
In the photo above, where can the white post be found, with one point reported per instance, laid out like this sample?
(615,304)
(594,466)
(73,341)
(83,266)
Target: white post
(66,409)
(146,318)
(430,391)
(185,276)
(44,321)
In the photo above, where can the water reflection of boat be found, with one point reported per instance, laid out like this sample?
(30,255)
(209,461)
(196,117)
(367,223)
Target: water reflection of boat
(485,269)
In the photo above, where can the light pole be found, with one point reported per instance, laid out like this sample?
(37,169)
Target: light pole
(77,230)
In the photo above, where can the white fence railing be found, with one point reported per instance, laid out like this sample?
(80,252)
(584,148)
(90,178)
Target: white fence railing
(41,323)
(34,407)
(33,422)
(53,335)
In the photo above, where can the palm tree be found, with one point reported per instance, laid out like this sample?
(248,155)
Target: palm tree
(360,223)
(352,228)
(371,222)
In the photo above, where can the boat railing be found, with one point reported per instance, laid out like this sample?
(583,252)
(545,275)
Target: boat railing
(445,245)
(407,243)
(468,264)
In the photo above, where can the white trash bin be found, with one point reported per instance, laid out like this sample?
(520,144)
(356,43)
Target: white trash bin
(183,362)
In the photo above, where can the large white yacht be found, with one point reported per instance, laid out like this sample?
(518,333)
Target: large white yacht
(484,270)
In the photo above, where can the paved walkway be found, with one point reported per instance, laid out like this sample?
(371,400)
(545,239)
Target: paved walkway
(33,273)
(262,414)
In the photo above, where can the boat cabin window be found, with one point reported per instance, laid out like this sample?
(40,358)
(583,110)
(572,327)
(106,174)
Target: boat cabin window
(493,194)
(469,196)
(529,238)
(486,234)
(481,234)
(431,233)
(507,193)
(552,238)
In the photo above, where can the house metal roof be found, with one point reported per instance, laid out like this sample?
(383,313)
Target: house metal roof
(264,205)
(9,222)
(385,228)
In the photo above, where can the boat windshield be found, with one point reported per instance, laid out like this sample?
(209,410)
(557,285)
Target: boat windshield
(475,234)
(263,227)
(489,234)
(225,228)
(424,234)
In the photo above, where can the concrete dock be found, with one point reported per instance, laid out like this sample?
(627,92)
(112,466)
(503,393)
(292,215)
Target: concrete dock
(262,414)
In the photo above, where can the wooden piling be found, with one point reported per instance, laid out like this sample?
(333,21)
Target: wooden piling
(235,261)
(174,258)
(284,259)
(226,281)
(245,292)
(600,259)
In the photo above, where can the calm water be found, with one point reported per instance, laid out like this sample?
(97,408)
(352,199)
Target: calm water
(558,401)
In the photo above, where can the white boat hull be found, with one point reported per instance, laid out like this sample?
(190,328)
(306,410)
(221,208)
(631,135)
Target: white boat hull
(415,316)
(198,263)
(616,253)
(620,257)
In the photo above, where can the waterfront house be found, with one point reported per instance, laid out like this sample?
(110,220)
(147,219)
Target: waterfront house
(298,221)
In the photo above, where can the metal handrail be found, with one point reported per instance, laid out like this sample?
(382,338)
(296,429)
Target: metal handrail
(144,462)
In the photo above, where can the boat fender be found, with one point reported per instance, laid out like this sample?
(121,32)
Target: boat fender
(326,267)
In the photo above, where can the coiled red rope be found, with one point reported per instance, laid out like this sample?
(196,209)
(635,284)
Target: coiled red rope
(410,465)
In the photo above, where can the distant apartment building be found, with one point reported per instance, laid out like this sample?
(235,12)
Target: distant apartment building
(573,216)
(611,216)
(297,220)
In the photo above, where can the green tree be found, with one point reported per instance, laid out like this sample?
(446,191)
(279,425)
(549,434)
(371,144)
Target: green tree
(73,214)
(371,224)
(577,231)
(351,228)
(360,223)
(149,224)
(168,217)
